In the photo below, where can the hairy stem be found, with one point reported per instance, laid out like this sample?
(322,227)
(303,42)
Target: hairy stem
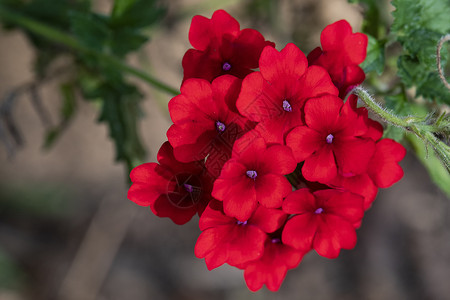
(418,125)
(444,39)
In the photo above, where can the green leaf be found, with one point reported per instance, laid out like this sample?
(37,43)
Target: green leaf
(120,111)
(126,40)
(418,26)
(121,6)
(437,171)
(137,14)
(90,29)
(375,56)
(374,21)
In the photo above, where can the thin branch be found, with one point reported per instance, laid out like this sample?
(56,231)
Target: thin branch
(444,39)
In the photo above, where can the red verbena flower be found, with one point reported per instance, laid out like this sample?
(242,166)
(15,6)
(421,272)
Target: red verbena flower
(221,48)
(253,175)
(171,189)
(225,239)
(275,95)
(331,141)
(341,53)
(272,267)
(204,121)
(322,220)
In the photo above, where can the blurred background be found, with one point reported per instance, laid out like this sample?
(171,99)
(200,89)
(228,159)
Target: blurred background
(67,230)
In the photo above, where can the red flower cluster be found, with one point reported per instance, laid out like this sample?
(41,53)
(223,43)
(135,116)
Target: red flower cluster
(274,161)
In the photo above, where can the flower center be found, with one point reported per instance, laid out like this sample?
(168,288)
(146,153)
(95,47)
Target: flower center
(226,66)
(319,211)
(275,240)
(287,106)
(252,174)
(189,188)
(220,126)
(241,223)
(329,138)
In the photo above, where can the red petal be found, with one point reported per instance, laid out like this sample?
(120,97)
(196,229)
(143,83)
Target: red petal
(299,231)
(149,182)
(253,103)
(272,267)
(210,245)
(314,55)
(355,47)
(225,90)
(299,202)
(278,160)
(320,166)
(358,184)
(249,44)
(213,217)
(268,219)
(322,113)
(271,189)
(245,245)
(353,154)
(333,233)
(347,205)
(383,168)
(201,64)
(290,62)
(241,201)
(334,34)
(200,32)
(303,141)
(162,207)
(315,82)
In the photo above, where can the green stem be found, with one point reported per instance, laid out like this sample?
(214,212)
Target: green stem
(63,38)
(417,125)
(380,111)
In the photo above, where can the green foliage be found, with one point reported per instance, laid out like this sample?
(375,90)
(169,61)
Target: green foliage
(418,26)
(375,56)
(101,43)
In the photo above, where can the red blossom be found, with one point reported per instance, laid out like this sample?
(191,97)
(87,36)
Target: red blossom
(341,53)
(171,189)
(253,175)
(275,95)
(225,239)
(383,167)
(204,121)
(331,141)
(272,267)
(221,48)
(323,220)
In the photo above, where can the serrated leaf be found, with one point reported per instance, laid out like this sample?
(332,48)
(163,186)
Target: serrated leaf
(126,40)
(121,6)
(375,56)
(90,29)
(418,26)
(140,13)
(120,111)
